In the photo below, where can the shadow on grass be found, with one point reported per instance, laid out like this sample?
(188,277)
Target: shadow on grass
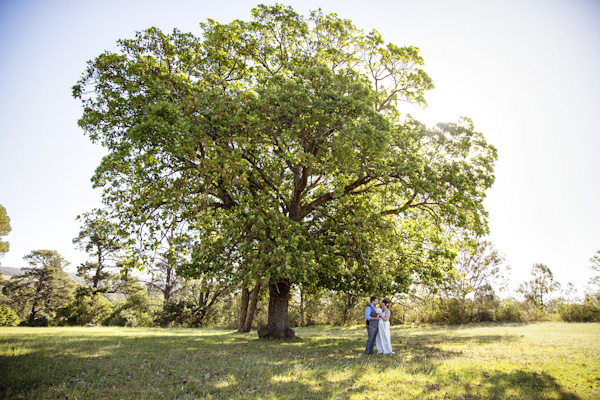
(182,364)
(517,384)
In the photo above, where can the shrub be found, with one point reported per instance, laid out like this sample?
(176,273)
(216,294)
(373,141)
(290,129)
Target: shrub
(589,311)
(455,311)
(8,317)
(533,312)
(445,311)
(174,313)
(135,311)
(509,310)
(484,315)
(131,318)
(40,319)
(87,308)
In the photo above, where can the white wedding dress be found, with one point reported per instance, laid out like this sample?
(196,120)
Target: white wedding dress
(384,340)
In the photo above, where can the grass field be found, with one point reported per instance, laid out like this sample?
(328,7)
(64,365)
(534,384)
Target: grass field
(518,361)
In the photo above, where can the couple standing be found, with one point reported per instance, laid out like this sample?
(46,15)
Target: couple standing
(378,327)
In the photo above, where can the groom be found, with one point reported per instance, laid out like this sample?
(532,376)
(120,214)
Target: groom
(372,324)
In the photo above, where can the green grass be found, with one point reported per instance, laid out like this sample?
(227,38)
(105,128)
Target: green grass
(520,361)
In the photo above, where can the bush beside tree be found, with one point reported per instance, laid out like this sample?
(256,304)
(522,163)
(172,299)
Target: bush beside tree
(89,307)
(134,311)
(8,317)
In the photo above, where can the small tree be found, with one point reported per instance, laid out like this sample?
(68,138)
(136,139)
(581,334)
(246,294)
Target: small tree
(307,302)
(482,267)
(540,286)
(569,291)
(478,270)
(100,239)
(343,304)
(161,251)
(202,296)
(41,289)
(4,230)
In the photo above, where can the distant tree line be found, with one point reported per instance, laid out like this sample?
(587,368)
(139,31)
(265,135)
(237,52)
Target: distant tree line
(43,294)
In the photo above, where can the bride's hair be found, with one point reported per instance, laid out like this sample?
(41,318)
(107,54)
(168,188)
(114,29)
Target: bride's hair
(386,302)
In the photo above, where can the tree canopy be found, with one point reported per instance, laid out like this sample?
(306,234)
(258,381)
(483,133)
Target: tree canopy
(279,141)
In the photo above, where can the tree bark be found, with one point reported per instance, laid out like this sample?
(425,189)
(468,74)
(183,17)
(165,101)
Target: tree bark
(252,307)
(244,299)
(36,299)
(302,309)
(350,301)
(96,278)
(168,283)
(278,326)
(32,314)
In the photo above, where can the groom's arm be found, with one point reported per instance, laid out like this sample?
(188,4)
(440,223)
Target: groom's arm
(368,314)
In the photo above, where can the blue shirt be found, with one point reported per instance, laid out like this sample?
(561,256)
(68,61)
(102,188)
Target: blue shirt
(368,311)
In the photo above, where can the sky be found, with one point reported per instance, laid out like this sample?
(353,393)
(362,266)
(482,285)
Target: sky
(527,72)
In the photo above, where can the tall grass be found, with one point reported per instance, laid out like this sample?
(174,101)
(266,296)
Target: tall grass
(537,361)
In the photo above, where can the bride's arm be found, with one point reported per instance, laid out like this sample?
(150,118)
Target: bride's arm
(386,316)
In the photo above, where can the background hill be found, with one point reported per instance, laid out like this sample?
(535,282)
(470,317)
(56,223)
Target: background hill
(8,272)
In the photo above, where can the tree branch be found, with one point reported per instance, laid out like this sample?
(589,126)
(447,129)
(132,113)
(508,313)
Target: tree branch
(307,209)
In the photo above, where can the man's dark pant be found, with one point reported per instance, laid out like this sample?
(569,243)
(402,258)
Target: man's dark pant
(372,332)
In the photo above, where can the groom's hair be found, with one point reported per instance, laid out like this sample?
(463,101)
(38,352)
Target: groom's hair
(373,298)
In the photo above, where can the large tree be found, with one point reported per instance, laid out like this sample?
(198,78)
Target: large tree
(280,141)
(4,230)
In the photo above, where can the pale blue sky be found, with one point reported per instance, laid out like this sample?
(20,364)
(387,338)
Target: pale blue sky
(526,72)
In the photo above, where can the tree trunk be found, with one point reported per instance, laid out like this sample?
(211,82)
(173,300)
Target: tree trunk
(252,307)
(278,326)
(302,309)
(350,301)
(96,278)
(345,312)
(32,314)
(244,299)
(168,292)
(36,299)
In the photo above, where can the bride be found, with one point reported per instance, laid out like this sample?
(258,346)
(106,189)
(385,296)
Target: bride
(384,340)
